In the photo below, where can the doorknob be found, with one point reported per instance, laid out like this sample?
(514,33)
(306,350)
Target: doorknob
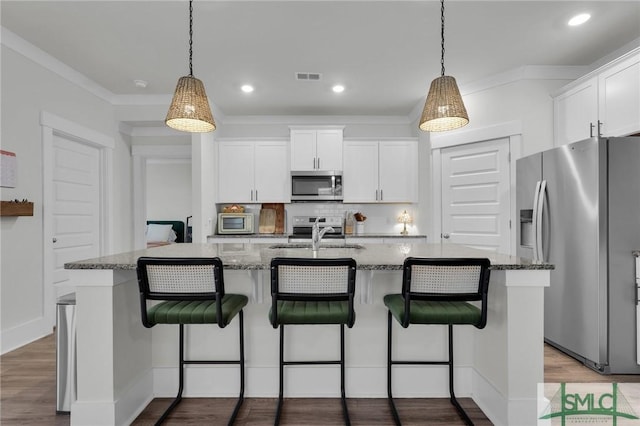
(445,236)
(55,240)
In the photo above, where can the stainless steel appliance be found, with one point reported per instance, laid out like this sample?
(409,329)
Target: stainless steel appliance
(316,186)
(303,226)
(65,352)
(235,223)
(579,208)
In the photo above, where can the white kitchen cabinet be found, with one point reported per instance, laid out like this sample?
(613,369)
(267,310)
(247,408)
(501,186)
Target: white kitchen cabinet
(576,113)
(605,102)
(619,105)
(253,172)
(316,149)
(380,172)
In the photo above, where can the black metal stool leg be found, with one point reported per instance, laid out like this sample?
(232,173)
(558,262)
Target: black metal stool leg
(178,397)
(345,411)
(453,399)
(241,364)
(281,376)
(392,405)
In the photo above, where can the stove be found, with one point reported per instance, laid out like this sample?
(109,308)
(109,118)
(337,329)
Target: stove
(303,225)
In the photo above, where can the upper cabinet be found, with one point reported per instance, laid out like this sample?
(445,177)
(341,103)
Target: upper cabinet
(253,172)
(619,103)
(380,171)
(316,148)
(606,102)
(576,113)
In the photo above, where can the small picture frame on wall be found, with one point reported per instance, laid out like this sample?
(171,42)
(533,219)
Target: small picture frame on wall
(8,169)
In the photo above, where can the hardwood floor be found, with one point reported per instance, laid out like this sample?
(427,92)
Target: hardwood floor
(28,397)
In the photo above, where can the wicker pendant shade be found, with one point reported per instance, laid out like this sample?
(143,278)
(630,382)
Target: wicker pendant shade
(444,109)
(189,110)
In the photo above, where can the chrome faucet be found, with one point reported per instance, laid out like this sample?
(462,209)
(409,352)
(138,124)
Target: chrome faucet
(317,234)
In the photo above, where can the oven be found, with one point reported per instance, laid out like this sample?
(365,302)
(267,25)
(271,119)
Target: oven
(303,225)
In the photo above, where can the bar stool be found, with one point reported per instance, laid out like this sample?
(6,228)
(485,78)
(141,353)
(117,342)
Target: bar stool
(312,291)
(437,291)
(192,292)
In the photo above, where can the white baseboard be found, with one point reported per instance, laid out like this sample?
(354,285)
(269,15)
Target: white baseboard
(130,403)
(360,382)
(23,334)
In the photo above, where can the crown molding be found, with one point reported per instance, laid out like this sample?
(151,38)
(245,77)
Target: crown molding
(40,57)
(526,72)
(317,120)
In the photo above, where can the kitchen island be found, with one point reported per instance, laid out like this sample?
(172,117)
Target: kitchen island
(122,365)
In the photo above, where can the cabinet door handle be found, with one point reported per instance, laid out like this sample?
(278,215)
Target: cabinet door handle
(318,163)
(445,236)
(252,195)
(591,126)
(256,195)
(599,128)
(376,195)
(381,196)
(314,163)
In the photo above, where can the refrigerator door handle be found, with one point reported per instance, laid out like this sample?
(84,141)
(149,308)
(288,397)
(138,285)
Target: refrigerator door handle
(539,246)
(536,195)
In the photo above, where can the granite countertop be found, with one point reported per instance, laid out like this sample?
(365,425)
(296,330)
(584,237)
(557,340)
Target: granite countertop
(258,256)
(372,235)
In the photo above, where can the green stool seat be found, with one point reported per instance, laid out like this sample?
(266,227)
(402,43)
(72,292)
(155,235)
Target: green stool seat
(433,312)
(312,312)
(196,311)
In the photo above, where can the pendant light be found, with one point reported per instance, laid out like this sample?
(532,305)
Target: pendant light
(444,109)
(189,110)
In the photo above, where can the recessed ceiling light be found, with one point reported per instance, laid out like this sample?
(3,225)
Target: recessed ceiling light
(247,88)
(338,88)
(579,19)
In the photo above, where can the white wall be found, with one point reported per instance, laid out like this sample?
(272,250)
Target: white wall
(27,90)
(169,190)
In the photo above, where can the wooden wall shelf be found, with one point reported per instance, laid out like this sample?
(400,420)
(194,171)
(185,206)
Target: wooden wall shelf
(12,208)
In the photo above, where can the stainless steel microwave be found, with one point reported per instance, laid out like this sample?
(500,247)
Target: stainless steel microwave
(235,223)
(316,185)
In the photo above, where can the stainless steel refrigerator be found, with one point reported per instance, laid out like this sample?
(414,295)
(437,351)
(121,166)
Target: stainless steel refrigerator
(579,208)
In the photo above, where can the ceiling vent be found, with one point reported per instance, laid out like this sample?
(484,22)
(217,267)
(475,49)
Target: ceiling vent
(308,76)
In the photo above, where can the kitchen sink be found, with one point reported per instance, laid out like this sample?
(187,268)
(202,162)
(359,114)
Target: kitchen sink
(322,246)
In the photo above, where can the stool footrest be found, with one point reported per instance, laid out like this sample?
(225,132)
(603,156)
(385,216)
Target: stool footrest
(211,362)
(420,362)
(311,362)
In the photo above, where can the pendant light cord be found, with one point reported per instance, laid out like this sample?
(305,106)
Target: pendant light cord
(191,38)
(442,34)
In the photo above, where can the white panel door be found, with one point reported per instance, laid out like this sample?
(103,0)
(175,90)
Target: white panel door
(476,195)
(76,204)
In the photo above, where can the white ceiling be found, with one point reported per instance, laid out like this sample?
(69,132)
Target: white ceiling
(384,52)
